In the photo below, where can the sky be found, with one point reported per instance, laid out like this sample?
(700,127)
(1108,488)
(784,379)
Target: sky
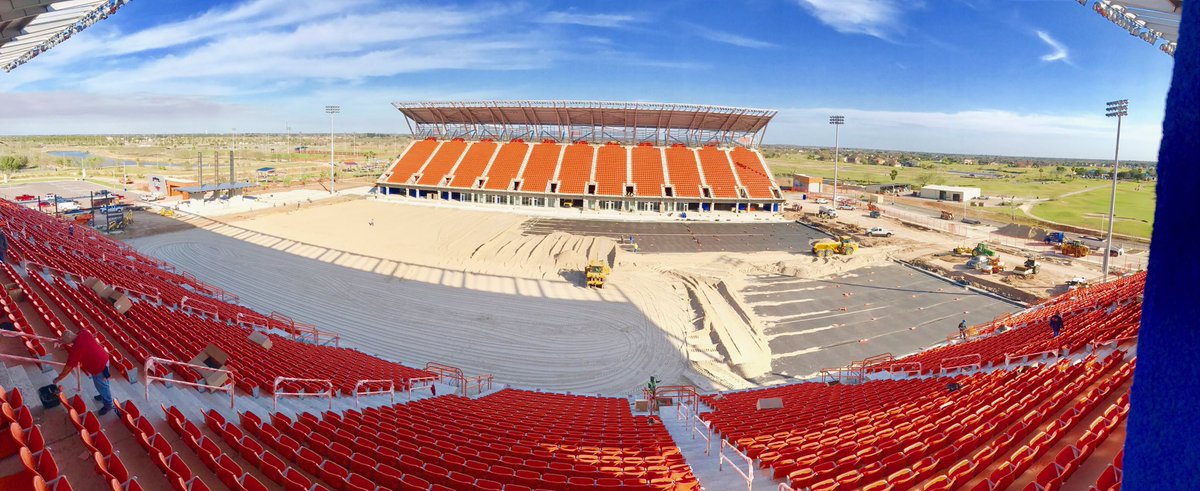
(1009,77)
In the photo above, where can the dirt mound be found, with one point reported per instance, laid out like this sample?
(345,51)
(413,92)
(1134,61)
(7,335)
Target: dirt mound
(1022,231)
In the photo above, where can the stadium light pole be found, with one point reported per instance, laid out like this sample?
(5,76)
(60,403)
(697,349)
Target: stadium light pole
(837,122)
(331,110)
(1114,109)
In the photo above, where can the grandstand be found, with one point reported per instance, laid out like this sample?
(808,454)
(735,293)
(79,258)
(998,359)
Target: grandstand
(625,156)
(31,27)
(1027,411)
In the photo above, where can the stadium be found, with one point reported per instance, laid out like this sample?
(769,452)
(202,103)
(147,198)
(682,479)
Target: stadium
(438,326)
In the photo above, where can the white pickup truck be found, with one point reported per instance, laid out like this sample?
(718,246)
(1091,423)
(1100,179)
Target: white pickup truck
(879,232)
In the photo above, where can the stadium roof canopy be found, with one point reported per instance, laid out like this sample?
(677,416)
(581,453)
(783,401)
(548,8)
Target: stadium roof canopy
(596,121)
(30,27)
(1150,20)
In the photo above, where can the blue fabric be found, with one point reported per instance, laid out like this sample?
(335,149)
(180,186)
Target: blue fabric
(1162,451)
(101,383)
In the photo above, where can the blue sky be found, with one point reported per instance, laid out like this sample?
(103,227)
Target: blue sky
(969,76)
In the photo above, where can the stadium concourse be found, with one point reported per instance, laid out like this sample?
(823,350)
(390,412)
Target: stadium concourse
(1009,408)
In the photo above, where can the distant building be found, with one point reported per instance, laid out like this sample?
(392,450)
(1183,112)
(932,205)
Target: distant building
(806,184)
(851,160)
(950,193)
(969,161)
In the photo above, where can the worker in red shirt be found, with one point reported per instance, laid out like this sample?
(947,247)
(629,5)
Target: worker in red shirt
(85,352)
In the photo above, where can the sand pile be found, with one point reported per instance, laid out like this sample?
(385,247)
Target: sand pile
(1022,231)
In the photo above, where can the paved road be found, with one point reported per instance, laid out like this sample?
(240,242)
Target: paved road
(688,236)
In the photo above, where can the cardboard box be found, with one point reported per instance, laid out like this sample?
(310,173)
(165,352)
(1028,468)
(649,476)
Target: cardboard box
(260,339)
(770,403)
(102,289)
(665,401)
(641,405)
(122,304)
(212,357)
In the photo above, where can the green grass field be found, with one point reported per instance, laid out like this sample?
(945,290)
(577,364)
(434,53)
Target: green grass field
(1135,209)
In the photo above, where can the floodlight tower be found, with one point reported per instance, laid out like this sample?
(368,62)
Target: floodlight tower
(331,110)
(837,122)
(1115,109)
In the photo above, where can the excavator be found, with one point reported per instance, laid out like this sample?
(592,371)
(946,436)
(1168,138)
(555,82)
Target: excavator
(597,272)
(843,246)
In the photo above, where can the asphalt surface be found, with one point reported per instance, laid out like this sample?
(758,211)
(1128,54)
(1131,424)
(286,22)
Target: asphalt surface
(688,236)
(66,189)
(815,324)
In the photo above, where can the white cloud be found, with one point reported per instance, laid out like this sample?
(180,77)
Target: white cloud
(982,131)
(593,20)
(878,18)
(1058,51)
(727,37)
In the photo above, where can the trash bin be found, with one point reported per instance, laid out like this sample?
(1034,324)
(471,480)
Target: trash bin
(49,396)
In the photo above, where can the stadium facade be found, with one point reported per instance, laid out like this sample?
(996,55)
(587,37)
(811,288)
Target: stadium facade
(624,156)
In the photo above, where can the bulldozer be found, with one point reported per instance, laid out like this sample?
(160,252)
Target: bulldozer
(1030,268)
(843,246)
(982,249)
(1075,248)
(597,272)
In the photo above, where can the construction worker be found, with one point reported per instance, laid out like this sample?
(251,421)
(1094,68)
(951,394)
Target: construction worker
(84,352)
(71,229)
(962,330)
(3,247)
(1056,324)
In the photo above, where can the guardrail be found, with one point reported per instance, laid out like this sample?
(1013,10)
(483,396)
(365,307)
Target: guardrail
(973,360)
(1116,342)
(358,392)
(706,435)
(477,382)
(328,392)
(1028,356)
(183,304)
(248,321)
(749,472)
(39,362)
(427,383)
(151,361)
(907,367)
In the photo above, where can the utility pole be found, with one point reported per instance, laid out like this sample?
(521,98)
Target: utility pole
(837,122)
(331,110)
(1118,109)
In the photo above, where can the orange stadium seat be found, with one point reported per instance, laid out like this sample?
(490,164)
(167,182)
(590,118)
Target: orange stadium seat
(539,171)
(473,164)
(753,173)
(442,162)
(647,170)
(683,171)
(611,169)
(412,160)
(506,165)
(576,168)
(717,172)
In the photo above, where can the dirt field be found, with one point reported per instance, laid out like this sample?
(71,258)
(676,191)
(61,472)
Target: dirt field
(486,292)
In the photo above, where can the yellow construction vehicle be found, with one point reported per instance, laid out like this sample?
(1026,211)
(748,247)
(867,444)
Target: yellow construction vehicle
(596,271)
(1075,248)
(843,246)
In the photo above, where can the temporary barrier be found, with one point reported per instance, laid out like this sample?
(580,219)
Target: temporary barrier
(252,321)
(151,361)
(328,392)
(391,390)
(908,367)
(748,474)
(1116,342)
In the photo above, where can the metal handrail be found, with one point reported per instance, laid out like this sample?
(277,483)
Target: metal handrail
(1027,356)
(391,390)
(183,304)
(706,435)
(411,382)
(150,361)
(18,358)
(748,474)
(948,363)
(276,393)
